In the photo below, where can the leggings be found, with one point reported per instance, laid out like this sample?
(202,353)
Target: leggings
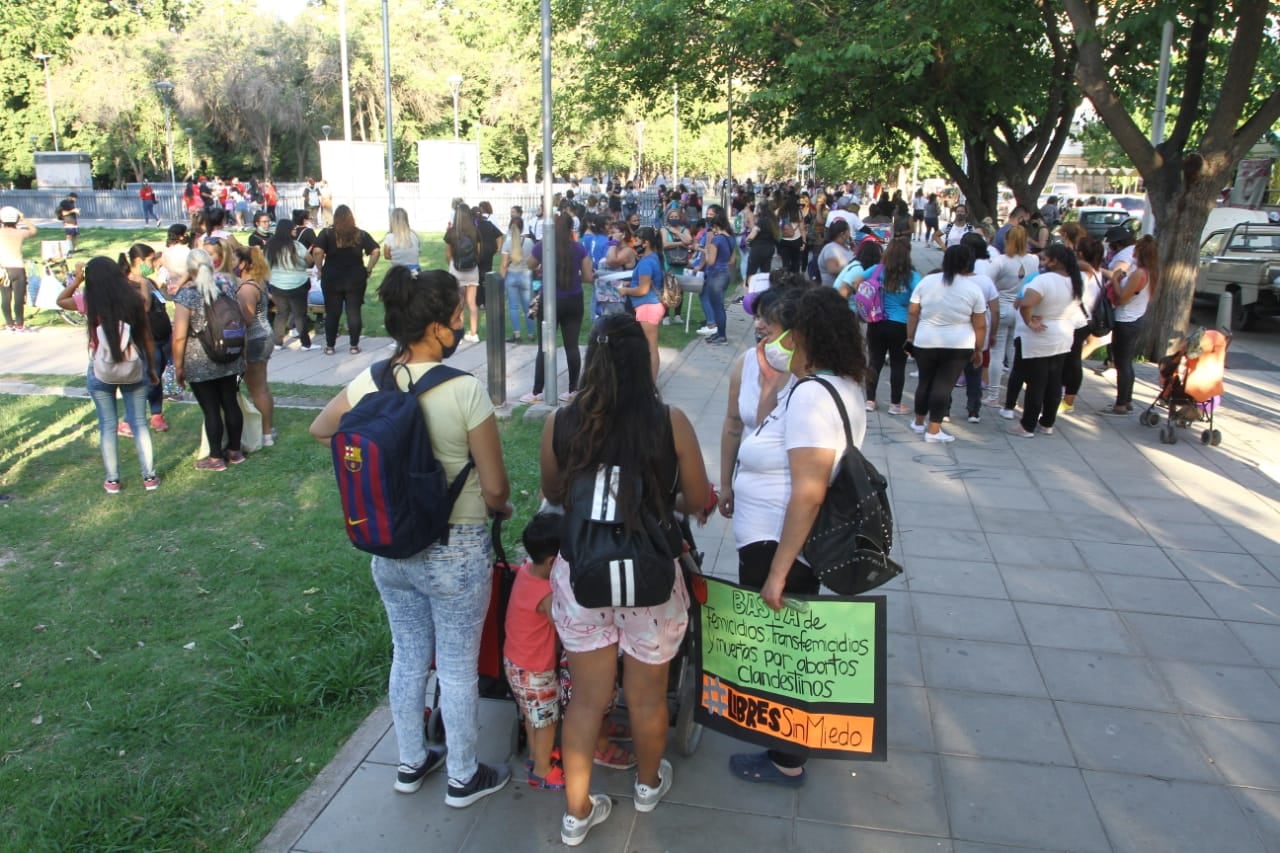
(1044,390)
(754,561)
(886,338)
(790,251)
(291,310)
(939,370)
(160,357)
(335,297)
(14,293)
(759,258)
(569,320)
(217,399)
(1017,376)
(1124,346)
(1073,366)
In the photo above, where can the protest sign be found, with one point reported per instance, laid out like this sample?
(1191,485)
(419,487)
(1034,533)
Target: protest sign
(809,679)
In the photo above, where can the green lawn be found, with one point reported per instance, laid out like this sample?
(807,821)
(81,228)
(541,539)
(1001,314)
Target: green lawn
(179,664)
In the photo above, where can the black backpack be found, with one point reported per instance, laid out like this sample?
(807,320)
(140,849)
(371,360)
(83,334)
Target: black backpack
(848,546)
(464,253)
(1102,319)
(158,319)
(225,332)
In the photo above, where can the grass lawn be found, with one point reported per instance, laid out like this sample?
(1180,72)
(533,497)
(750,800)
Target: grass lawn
(179,664)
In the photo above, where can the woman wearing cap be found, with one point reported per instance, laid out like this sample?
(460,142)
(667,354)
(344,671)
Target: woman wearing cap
(13,293)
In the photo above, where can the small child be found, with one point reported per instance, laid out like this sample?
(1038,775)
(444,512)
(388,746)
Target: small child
(529,654)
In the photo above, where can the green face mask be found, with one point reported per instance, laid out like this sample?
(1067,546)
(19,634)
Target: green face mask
(147,269)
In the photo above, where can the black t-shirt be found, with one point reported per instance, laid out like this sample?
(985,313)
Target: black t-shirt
(256,239)
(344,265)
(306,236)
(66,206)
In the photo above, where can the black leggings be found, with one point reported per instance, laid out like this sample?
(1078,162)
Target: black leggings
(1124,348)
(1017,376)
(790,252)
(569,312)
(291,310)
(886,338)
(335,297)
(939,370)
(15,294)
(759,258)
(1044,390)
(217,399)
(1073,366)
(754,561)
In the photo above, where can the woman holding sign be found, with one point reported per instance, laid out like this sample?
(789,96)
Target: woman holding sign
(793,453)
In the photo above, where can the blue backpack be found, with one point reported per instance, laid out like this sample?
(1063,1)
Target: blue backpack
(396,498)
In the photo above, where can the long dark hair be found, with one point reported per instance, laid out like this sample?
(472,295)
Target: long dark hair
(109,300)
(897,266)
(618,412)
(345,232)
(766,222)
(282,250)
(869,254)
(831,334)
(564,250)
(1070,266)
(136,251)
(957,260)
(415,300)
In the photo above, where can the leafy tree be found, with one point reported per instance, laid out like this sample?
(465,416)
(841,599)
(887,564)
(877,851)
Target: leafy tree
(1227,97)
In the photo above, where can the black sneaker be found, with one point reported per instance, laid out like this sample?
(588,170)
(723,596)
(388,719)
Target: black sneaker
(487,780)
(409,779)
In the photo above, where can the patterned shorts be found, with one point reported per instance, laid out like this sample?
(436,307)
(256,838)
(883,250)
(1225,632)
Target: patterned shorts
(537,694)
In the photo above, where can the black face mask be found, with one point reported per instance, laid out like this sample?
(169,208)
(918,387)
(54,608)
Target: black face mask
(446,352)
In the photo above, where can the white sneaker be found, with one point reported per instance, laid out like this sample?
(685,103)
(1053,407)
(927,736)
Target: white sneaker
(915,427)
(573,830)
(666,321)
(470,338)
(938,437)
(531,398)
(1044,429)
(1017,430)
(707,330)
(647,798)
(1008,414)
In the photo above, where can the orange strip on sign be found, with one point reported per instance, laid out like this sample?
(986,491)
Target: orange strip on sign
(813,729)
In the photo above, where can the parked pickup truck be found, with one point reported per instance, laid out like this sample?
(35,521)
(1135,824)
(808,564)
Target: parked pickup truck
(1243,260)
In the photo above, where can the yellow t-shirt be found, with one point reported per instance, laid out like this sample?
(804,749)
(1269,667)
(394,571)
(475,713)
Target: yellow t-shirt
(452,410)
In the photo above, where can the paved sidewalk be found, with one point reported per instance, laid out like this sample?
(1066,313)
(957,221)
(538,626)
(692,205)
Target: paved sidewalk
(1084,651)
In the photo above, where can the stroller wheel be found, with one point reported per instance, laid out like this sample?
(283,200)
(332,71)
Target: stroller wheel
(1215,438)
(1149,418)
(1206,436)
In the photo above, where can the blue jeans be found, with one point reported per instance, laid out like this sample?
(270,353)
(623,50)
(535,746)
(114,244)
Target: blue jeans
(436,603)
(161,357)
(149,211)
(519,288)
(135,410)
(712,298)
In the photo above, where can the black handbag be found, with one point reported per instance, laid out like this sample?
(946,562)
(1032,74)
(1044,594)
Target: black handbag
(848,546)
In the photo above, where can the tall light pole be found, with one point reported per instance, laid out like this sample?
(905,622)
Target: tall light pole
(191,151)
(48,91)
(165,89)
(386,82)
(346,70)
(455,86)
(35,142)
(675,135)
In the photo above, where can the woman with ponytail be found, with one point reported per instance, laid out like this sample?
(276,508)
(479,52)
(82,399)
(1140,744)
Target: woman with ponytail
(254,272)
(436,600)
(213,383)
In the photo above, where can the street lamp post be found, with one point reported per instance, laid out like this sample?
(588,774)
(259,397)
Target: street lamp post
(48,91)
(191,151)
(165,89)
(455,86)
(326,130)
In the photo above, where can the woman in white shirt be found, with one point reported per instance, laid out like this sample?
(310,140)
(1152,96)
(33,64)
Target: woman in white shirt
(1043,333)
(1009,270)
(786,464)
(402,245)
(1132,293)
(946,328)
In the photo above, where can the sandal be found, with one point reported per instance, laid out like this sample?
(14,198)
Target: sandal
(328,350)
(1117,410)
(553,781)
(355,350)
(615,758)
(756,767)
(616,730)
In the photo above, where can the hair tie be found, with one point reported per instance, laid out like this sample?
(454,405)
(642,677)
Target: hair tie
(602,339)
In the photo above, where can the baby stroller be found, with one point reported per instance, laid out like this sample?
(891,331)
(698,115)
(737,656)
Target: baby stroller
(1191,387)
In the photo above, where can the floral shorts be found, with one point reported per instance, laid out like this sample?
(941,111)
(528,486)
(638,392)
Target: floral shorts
(648,634)
(537,694)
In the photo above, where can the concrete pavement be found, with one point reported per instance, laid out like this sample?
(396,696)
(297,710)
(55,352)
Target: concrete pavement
(1084,651)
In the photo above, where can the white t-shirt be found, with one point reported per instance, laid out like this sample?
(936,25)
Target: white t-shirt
(855,222)
(452,410)
(1057,309)
(762,481)
(989,292)
(955,232)
(1136,307)
(946,311)
(832,249)
(1092,288)
(404,256)
(526,249)
(1008,273)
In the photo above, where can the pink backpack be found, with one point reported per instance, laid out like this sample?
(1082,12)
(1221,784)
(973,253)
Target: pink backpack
(868,299)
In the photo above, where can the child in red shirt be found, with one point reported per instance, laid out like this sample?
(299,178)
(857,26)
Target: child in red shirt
(530,654)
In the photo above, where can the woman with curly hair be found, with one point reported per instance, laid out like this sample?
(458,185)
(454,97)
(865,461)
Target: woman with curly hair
(794,452)
(618,419)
